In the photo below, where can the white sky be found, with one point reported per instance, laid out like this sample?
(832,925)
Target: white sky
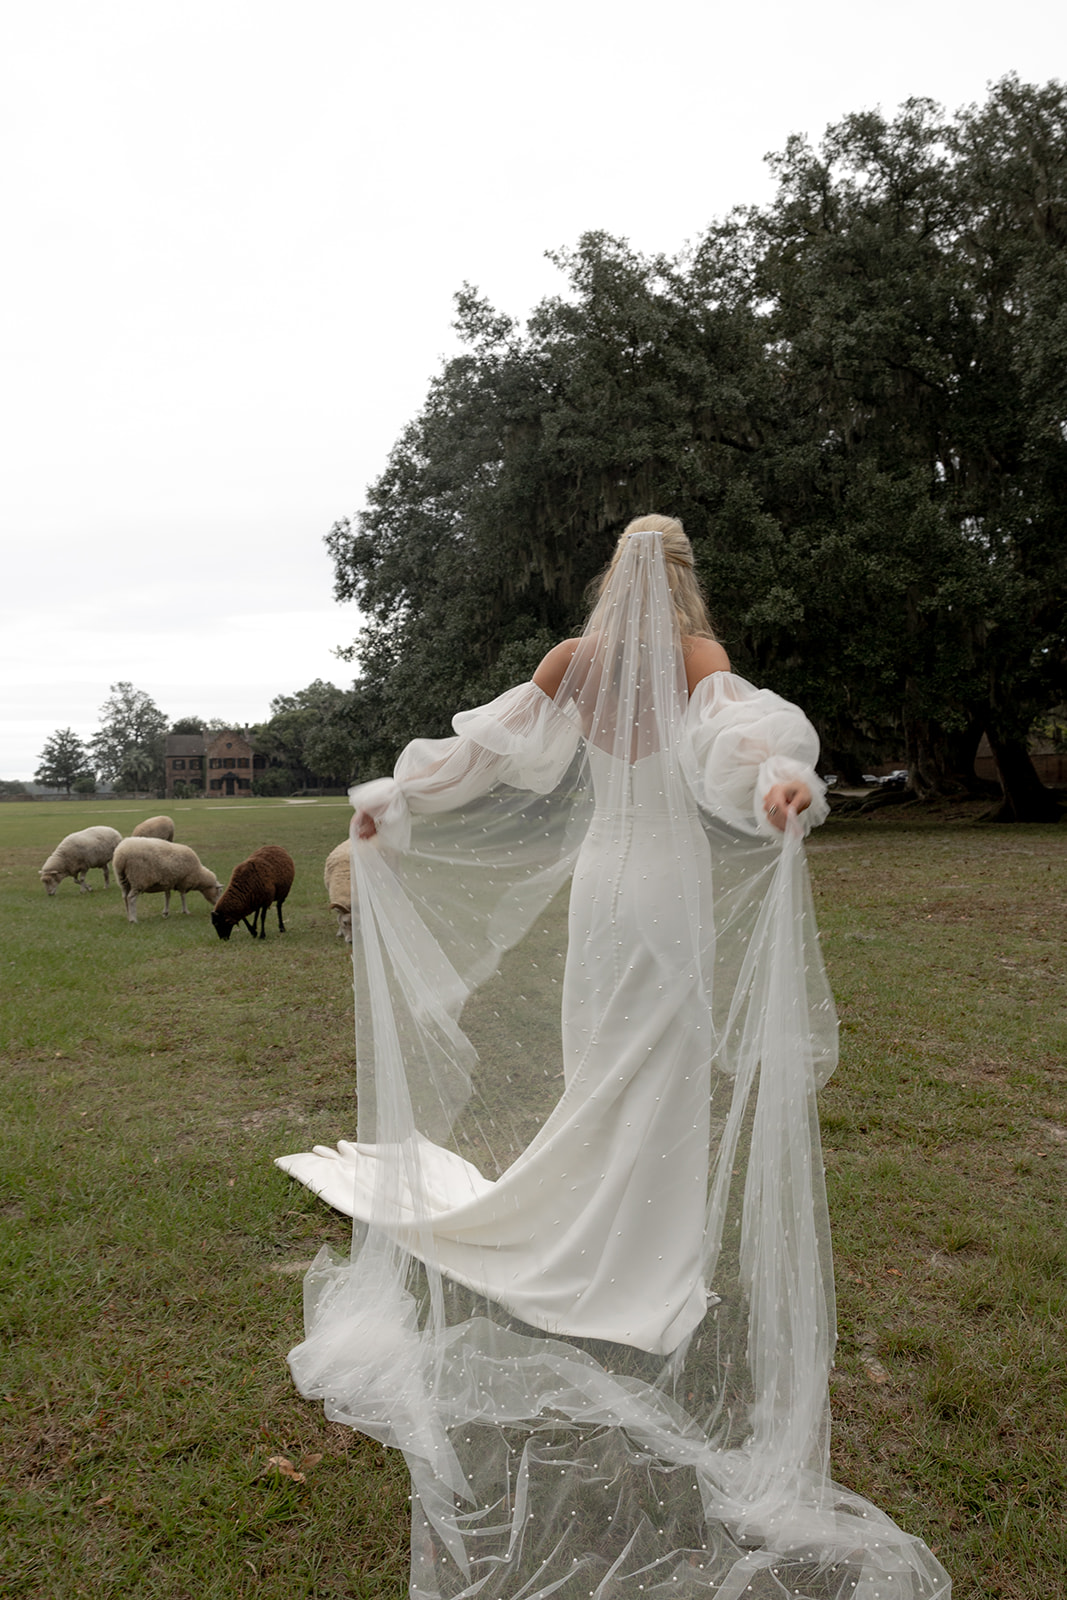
(233,229)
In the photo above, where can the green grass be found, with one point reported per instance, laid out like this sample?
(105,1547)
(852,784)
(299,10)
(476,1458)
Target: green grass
(151,1250)
(151,1254)
(945,1136)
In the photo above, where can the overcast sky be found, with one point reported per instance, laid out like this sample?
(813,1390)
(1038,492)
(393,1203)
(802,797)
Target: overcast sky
(233,230)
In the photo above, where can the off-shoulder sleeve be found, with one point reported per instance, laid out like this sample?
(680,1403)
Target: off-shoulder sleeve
(522,738)
(739,742)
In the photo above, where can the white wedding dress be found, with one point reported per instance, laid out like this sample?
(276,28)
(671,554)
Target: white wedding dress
(607,1364)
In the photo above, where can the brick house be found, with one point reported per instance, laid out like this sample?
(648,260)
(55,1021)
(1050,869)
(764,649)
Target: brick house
(214,764)
(228,760)
(183,762)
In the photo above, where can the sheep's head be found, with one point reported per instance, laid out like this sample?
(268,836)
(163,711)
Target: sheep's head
(51,880)
(220,925)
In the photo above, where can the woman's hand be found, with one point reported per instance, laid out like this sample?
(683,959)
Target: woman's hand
(366,826)
(784,800)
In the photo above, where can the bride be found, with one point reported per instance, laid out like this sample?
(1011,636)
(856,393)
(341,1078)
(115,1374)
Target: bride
(590,1294)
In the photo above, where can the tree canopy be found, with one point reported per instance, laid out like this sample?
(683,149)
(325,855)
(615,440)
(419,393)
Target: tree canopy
(63,761)
(310,738)
(129,748)
(856,399)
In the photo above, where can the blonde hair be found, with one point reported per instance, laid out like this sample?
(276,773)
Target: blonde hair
(689,604)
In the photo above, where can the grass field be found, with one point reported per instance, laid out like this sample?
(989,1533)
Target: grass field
(152,1255)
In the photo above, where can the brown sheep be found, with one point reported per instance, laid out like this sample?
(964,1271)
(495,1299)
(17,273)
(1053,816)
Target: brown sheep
(255,885)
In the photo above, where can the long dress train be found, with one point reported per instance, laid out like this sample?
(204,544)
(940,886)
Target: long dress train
(590,1292)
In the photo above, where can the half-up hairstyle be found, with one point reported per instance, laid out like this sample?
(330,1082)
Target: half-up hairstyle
(689,605)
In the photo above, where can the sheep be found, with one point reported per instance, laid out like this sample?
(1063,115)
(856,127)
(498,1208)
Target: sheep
(74,855)
(338,880)
(151,866)
(154,828)
(263,880)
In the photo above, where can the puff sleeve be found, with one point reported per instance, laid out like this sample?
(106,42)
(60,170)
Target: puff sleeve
(522,738)
(739,742)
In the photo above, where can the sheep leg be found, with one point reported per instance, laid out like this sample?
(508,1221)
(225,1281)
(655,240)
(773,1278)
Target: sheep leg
(166,902)
(262,921)
(185,908)
(82,881)
(107,876)
(281,924)
(251,926)
(130,900)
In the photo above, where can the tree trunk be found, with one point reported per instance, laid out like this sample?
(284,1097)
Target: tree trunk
(848,767)
(1025,797)
(941,760)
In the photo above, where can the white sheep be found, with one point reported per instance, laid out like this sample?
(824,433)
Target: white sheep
(153,828)
(74,855)
(338,880)
(154,866)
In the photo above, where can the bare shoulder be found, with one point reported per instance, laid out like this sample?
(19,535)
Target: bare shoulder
(702,658)
(549,674)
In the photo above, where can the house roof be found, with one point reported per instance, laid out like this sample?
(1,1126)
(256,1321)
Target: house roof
(228,736)
(185,744)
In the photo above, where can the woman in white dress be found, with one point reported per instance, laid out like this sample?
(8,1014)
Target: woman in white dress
(590,1293)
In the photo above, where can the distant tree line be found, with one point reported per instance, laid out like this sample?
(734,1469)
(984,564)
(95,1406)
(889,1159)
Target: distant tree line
(856,399)
(309,740)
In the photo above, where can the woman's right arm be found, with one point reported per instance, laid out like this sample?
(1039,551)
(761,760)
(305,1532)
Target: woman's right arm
(553,668)
(520,739)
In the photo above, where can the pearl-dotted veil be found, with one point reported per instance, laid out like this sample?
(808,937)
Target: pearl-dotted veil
(590,1293)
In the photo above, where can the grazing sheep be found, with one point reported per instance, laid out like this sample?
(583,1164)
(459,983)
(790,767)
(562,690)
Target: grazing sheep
(154,866)
(153,828)
(255,885)
(338,880)
(74,855)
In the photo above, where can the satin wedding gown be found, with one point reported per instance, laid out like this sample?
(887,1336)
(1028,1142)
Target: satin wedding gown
(604,1348)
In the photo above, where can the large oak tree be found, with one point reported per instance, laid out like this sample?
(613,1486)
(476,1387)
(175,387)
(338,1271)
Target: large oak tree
(855,398)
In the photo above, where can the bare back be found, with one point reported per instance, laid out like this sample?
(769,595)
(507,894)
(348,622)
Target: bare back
(702,657)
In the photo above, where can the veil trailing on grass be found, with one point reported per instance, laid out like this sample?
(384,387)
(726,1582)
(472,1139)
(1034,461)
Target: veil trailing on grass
(590,1294)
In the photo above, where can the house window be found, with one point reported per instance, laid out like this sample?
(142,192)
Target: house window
(178,765)
(216,783)
(214,762)
(229,762)
(242,761)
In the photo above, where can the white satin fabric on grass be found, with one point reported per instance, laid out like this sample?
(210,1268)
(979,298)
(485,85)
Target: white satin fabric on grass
(590,1292)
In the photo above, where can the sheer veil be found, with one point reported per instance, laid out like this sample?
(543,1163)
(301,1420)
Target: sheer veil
(589,1293)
